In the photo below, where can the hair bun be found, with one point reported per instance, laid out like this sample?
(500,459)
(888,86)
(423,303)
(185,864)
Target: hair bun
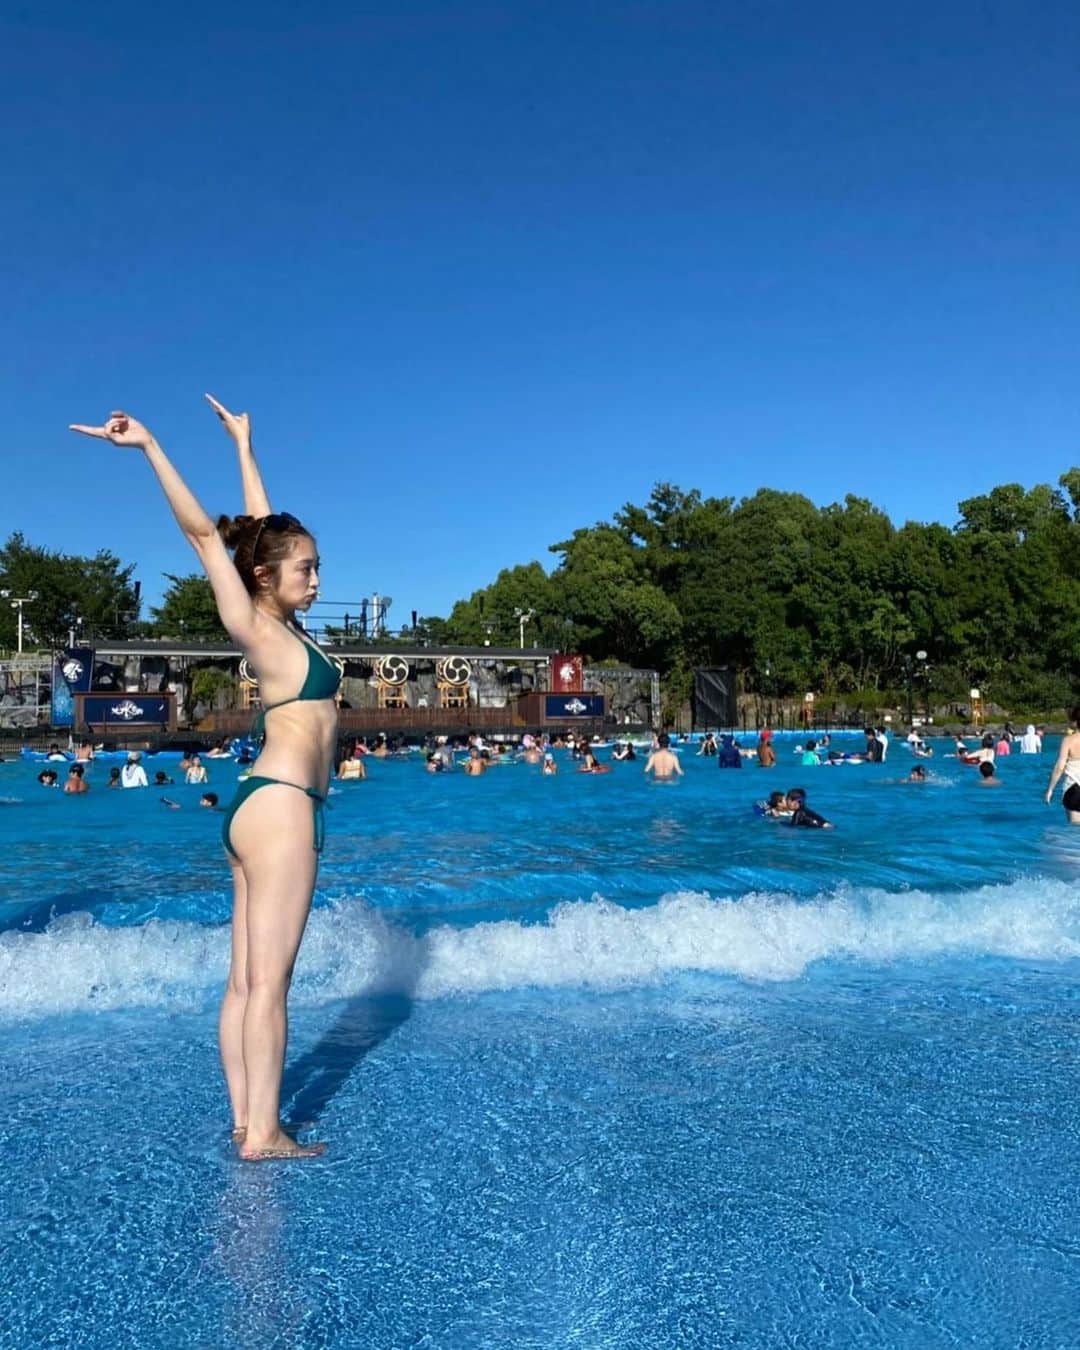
(235,529)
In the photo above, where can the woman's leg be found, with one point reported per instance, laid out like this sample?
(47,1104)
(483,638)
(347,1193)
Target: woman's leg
(231,1017)
(273,833)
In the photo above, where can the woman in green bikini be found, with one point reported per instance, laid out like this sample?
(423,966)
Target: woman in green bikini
(273,830)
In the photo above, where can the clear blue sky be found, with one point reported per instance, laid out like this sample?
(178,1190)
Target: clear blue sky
(481,273)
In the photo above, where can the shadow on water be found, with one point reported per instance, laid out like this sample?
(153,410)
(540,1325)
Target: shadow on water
(317,1076)
(365,1021)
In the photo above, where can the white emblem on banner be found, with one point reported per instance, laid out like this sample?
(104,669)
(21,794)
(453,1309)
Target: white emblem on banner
(127,710)
(575,706)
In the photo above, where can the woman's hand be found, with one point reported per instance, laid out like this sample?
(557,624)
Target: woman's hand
(238,425)
(121,430)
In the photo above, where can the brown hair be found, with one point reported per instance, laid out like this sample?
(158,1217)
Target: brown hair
(259,541)
(1074,717)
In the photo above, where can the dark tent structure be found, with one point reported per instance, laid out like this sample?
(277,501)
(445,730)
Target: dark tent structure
(714,697)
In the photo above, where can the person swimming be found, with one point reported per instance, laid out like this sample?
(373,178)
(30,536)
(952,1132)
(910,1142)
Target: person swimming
(476,764)
(729,757)
(350,763)
(590,764)
(801,815)
(774,807)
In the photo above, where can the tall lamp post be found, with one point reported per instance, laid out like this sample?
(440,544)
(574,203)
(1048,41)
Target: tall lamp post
(910,673)
(523,616)
(17,602)
(921,657)
(907,685)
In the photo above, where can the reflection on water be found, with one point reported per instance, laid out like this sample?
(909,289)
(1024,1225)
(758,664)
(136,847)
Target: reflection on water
(248,1249)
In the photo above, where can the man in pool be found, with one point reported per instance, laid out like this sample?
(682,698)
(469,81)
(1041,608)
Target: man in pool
(475,765)
(801,813)
(661,763)
(987,777)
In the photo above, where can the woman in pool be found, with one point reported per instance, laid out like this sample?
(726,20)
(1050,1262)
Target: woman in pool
(1067,765)
(590,764)
(273,830)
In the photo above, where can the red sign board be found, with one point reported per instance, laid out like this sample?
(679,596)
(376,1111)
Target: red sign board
(566,673)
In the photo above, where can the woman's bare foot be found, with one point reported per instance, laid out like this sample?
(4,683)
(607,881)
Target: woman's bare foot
(278,1148)
(239,1132)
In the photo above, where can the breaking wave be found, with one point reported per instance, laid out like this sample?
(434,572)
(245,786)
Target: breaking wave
(350,950)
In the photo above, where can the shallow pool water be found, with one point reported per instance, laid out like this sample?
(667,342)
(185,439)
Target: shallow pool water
(600,1063)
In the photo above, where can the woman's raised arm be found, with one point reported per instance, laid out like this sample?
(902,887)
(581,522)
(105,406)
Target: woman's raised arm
(238,425)
(233,601)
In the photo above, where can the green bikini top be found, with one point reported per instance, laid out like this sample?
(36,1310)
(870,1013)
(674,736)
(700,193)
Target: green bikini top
(321,682)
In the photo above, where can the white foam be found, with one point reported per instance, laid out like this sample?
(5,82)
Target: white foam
(349,949)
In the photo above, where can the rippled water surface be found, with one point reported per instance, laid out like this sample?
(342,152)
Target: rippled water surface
(600,1063)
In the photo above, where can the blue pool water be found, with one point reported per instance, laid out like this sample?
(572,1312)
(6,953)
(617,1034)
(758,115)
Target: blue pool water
(600,1063)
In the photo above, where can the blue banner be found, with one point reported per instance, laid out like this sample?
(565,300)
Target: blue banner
(77,665)
(63,705)
(125,710)
(572,707)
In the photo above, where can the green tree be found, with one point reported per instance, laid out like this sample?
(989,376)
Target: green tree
(187,610)
(97,590)
(492,614)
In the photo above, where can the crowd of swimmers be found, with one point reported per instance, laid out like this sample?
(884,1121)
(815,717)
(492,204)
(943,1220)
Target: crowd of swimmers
(132,776)
(474,755)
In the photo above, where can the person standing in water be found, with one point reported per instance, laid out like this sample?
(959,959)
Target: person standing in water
(662,763)
(1067,766)
(273,830)
(1031,741)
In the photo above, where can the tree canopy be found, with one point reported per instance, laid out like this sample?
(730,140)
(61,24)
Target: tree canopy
(98,591)
(188,610)
(797,596)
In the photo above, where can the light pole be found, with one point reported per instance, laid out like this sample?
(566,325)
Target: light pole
(907,682)
(921,657)
(523,616)
(17,602)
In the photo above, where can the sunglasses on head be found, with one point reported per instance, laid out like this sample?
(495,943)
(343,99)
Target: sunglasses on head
(280,520)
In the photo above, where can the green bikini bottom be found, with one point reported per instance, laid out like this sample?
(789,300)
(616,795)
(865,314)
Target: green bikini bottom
(253,784)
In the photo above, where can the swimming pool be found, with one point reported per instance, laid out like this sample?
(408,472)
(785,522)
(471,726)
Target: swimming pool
(600,1063)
